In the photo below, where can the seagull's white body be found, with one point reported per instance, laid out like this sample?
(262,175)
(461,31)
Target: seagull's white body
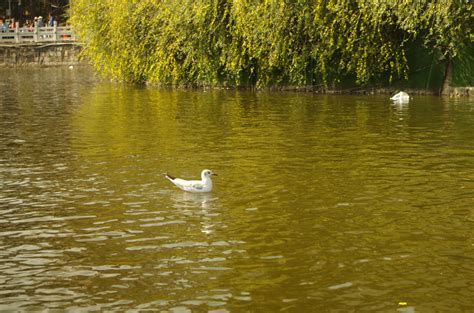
(203,185)
(401,97)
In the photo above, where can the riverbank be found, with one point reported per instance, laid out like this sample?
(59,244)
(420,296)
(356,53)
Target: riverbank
(454,92)
(40,54)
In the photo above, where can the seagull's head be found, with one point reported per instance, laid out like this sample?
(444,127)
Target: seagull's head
(207,173)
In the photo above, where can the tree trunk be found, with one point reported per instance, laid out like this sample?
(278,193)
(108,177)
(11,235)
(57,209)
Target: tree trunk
(448,75)
(32,10)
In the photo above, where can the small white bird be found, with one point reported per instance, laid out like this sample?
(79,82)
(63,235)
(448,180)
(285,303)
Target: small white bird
(203,185)
(401,97)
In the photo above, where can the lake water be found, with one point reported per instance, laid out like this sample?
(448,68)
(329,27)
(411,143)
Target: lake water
(322,203)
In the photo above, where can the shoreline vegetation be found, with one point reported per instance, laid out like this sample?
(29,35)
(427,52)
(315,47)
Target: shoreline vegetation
(334,45)
(455,92)
(359,90)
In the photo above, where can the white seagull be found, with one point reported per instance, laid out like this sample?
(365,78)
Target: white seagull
(401,97)
(203,185)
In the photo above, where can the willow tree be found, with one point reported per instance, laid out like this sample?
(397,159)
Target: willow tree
(444,26)
(274,42)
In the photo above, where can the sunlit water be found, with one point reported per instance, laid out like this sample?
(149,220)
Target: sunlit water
(322,203)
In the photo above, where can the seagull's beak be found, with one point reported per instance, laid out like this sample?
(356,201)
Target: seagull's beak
(214,174)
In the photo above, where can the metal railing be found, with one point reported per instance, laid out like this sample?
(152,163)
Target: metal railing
(48,34)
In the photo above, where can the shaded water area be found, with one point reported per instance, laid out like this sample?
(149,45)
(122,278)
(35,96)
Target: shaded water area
(322,203)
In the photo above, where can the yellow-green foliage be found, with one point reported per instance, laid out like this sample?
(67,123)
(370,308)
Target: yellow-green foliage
(271,42)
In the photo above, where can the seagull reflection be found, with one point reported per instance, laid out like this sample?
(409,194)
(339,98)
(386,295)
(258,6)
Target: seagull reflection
(192,200)
(202,205)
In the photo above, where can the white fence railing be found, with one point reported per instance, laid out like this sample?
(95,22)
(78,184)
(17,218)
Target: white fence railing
(37,34)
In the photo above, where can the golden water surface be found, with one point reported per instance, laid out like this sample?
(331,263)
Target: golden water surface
(322,203)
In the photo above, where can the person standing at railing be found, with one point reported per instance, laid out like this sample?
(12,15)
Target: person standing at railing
(51,20)
(40,21)
(3,25)
(29,24)
(12,24)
